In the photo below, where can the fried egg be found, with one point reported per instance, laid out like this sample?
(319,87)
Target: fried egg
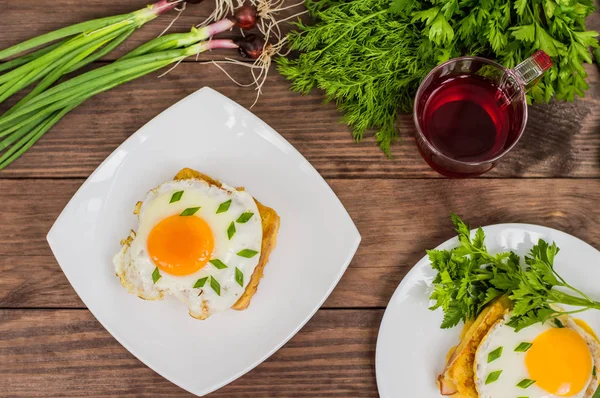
(555,359)
(197,242)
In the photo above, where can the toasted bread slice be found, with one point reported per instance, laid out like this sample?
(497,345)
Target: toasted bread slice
(458,377)
(270,226)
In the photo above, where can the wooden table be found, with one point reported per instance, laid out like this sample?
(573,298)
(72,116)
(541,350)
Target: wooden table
(50,345)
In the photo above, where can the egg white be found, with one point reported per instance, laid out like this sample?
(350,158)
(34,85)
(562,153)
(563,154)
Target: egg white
(512,363)
(135,267)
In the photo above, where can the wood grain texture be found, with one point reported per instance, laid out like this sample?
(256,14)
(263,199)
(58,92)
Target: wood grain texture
(562,139)
(68,353)
(25,19)
(398,220)
(51,346)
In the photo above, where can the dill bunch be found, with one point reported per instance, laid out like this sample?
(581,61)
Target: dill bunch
(369,56)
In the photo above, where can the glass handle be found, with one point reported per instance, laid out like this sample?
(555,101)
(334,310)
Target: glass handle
(531,70)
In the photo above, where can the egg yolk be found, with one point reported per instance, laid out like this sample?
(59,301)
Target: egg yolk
(560,362)
(181,245)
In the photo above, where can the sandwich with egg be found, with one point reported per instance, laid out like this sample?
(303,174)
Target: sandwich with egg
(517,340)
(199,240)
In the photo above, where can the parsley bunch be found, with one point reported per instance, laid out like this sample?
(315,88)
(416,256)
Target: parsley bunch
(369,56)
(469,278)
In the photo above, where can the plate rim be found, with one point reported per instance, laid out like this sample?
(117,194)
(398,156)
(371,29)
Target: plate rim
(444,245)
(355,239)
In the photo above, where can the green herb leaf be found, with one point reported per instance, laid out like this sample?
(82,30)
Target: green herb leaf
(408,38)
(520,6)
(247,253)
(492,356)
(231,230)
(493,376)
(558,323)
(525,383)
(244,218)
(200,282)
(469,278)
(156,275)
(218,263)
(215,285)
(176,197)
(190,211)
(239,277)
(223,207)
(523,347)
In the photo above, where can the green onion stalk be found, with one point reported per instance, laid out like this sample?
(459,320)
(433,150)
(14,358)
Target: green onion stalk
(27,121)
(71,48)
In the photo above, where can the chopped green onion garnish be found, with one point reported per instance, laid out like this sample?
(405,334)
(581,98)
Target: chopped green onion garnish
(156,275)
(594,371)
(218,263)
(247,253)
(523,347)
(223,207)
(200,282)
(239,277)
(231,230)
(176,197)
(492,356)
(493,376)
(558,323)
(189,211)
(215,285)
(525,383)
(244,218)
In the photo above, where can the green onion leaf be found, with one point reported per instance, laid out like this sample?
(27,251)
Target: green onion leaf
(189,211)
(244,218)
(523,347)
(493,376)
(525,383)
(218,263)
(558,323)
(497,353)
(156,275)
(200,282)
(247,253)
(239,277)
(594,371)
(176,197)
(231,230)
(223,207)
(215,285)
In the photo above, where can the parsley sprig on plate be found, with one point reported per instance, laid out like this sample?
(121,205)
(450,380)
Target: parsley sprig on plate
(469,278)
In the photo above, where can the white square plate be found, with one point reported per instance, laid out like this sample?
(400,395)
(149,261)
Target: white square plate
(210,133)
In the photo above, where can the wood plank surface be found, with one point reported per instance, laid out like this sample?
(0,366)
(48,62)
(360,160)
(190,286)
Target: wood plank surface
(25,19)
(562,139)
(68,353)
(410,217)
(50,345)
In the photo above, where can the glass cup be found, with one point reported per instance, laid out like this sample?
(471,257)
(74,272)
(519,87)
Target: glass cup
(470,112)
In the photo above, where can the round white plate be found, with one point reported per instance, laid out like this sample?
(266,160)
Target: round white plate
(411,347)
